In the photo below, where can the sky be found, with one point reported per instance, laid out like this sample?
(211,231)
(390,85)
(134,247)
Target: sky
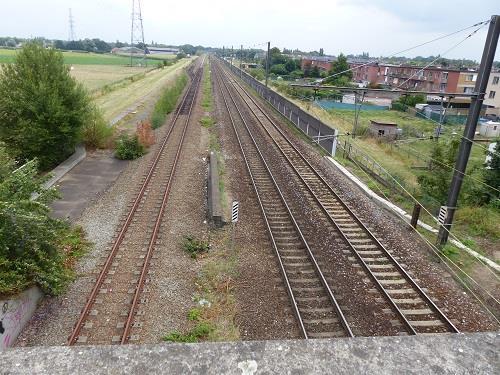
(379,27)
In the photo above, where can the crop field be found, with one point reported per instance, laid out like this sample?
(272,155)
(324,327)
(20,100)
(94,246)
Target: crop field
(80,58)
(95,77)
(117,101)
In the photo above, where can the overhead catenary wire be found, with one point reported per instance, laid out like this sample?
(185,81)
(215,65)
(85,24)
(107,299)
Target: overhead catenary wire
(455,170)
(409,49)
(441,256)
(440,55)
(418,202)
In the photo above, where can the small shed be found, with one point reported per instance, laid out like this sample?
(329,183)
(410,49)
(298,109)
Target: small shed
(383,129)
(489,129)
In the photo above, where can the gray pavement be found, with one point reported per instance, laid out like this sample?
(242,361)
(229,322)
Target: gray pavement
(83,184)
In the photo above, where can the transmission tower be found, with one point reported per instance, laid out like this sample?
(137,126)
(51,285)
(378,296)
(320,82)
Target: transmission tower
(137,34)
(71,35)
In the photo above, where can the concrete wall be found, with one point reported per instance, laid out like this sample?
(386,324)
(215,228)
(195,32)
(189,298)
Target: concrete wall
(15,312)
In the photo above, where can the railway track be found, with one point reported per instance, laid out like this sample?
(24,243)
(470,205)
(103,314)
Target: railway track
(413,307)
(313,302)
(113,311)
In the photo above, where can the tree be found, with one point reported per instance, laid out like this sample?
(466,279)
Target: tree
(491,177)
(279,69)
(34,248)
(436,182)
(321,52)
(42,108)
(340,69)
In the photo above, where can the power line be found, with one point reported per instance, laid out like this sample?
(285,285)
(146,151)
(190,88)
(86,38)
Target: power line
(440,55)
(137,33)
(408,49)
(441,255)
(71,20)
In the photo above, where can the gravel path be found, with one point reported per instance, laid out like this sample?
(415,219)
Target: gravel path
(54,319)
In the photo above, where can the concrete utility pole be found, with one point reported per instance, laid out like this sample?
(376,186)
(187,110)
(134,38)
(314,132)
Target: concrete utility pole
(470,127)
(223,53)
(267,61)
(232,55)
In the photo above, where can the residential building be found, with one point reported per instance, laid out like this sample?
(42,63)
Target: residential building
(492,95)
(324,63)
(407,77)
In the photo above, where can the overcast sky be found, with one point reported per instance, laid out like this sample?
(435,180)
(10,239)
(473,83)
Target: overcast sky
(379,27)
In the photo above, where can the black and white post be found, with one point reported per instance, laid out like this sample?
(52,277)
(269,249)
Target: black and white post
(235,212)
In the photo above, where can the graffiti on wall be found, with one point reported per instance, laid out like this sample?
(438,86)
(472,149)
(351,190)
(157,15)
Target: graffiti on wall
(14,314)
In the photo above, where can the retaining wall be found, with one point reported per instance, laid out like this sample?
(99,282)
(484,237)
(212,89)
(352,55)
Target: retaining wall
(15,312)
(314,128)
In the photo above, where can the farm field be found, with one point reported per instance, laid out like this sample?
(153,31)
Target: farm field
(81,58)
(118,101)
(95,77)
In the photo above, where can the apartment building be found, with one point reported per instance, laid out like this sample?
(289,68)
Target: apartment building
(407,77)
(492,96)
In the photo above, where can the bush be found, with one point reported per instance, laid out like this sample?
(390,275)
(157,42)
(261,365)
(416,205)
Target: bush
(167,101)
(145,133)
(128,148)
(194,247)
(35,249)
(96,133)
(43,108)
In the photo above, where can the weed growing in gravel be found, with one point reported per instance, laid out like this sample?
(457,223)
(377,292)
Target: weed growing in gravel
(128,148)
(207,121)
(200,331)
(194,246)
(194,314)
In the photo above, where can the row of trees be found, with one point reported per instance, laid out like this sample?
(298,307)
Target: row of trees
(43,112)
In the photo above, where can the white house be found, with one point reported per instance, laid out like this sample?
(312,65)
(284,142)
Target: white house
(489,129)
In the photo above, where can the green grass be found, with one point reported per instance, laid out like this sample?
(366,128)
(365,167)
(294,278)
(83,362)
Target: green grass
(77,58)
(207,121)
(167,101)
(200,331)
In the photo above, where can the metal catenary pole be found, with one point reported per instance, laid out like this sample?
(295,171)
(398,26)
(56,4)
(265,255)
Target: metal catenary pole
(241,60)
(267,61)
(470,128)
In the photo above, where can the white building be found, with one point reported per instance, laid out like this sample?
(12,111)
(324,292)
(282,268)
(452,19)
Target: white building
(489,129)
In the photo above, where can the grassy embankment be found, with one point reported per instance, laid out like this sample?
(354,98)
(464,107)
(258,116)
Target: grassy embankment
(477,227)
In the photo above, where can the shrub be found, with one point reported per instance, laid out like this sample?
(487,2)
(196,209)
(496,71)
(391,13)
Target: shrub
(35,249)
(42,107)
(194,247)
(167,101)
(96,133)
(128,148)
(145,133)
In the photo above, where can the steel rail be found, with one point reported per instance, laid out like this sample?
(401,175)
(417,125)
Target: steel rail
(116,245)
(395,263)
(159,218)
(320,275)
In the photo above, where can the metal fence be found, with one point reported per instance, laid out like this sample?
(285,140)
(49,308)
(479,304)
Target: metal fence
(316,130)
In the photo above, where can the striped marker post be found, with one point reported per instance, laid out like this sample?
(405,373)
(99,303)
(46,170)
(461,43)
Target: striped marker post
(235,211)
(235,208)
